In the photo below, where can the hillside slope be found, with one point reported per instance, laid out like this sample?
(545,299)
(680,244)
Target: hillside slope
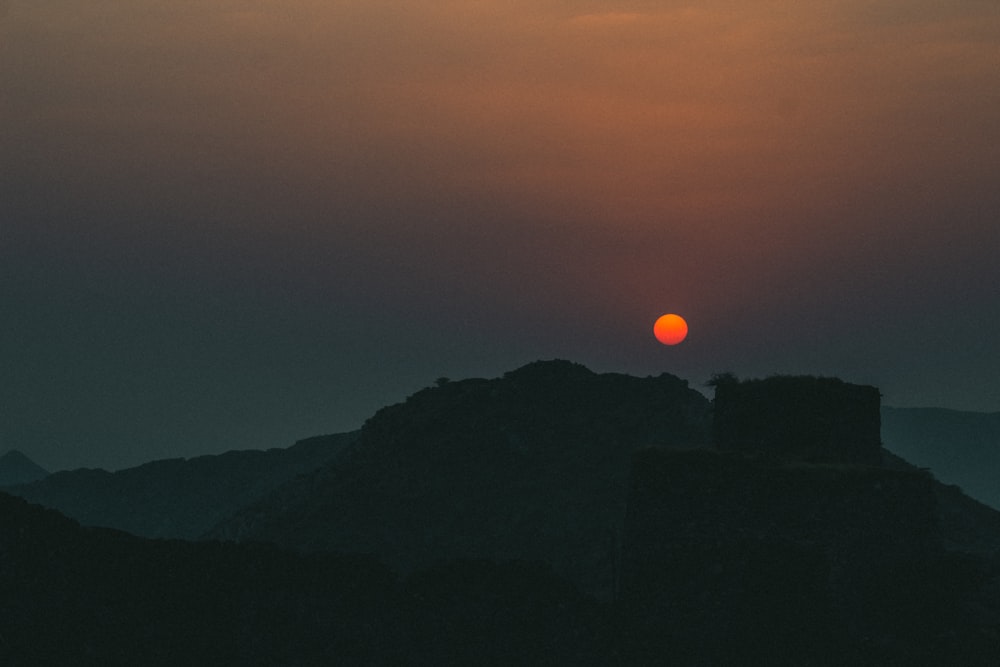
(16,468)
(94,597)
(532,465)
(179,498)
(961,448)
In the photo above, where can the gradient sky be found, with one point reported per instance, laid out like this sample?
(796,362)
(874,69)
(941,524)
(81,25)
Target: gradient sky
(231,224)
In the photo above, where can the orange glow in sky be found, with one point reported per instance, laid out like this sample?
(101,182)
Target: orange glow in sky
(301,175)
(670,329)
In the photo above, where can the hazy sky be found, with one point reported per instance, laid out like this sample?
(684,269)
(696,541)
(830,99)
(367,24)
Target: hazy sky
(231,224)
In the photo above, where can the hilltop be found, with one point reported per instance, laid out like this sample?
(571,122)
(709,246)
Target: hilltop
(17,468)
(532,465)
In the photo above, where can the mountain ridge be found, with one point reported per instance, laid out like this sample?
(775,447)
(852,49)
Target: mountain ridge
(550,516)
(531,465)
(178,498)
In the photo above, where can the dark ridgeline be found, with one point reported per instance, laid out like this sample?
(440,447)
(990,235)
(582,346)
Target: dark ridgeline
(178,498)
(529,466)
(821,420)
(516,508)
(960,447)
(734,555)
(789,545)
(94,597)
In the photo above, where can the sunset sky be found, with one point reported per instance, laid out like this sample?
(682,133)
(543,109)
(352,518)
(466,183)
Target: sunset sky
(234,223)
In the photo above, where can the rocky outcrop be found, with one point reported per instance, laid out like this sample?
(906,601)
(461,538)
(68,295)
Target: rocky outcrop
(732,558)
(823,420)
(856,517)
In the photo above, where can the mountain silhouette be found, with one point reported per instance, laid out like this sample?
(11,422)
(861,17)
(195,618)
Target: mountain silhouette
(178,498)
(966,525)
(531,466)
(552,516)
(94,597)
(736,559)
(16,468)
(961,448)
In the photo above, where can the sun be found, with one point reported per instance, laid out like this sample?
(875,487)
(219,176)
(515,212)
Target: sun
(670,329)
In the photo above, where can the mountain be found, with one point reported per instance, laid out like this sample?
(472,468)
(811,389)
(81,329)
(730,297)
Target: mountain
(100,597)
(553,516)
(530,466)
(16,468)
(961,448)
(178,498)
(747,558)
(966,525)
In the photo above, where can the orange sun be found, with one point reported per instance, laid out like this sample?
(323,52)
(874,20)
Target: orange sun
(670,329)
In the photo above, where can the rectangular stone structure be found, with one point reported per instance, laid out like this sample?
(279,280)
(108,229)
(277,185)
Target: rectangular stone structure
(803,418)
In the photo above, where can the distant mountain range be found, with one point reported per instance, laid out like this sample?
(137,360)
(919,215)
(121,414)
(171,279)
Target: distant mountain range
(178,498)
(213,495)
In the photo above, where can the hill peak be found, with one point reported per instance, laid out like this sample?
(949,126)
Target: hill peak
(548,369)
(531,466)
(17,468)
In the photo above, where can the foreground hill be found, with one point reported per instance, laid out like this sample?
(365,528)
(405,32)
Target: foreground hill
(961,448)
(98,597)
(533,465)
(178,498)
(16,468)
(744,558)
(966,525)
